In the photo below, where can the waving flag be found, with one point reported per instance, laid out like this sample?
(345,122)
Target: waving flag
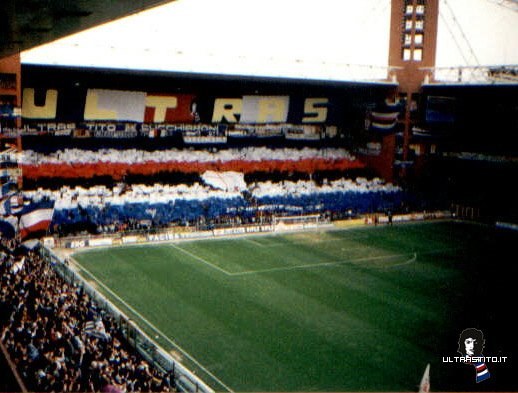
(383,118)
(424,386)
(11,204)
(36,218)
(94,326)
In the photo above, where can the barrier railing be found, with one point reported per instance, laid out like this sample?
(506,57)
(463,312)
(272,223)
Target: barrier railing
(16,381)
(155,235)
(492,75)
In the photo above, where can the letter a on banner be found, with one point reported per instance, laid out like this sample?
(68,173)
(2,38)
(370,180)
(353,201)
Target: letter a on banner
(228,109)
(265,109)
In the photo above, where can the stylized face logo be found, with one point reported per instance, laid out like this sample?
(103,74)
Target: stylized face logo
(469,343)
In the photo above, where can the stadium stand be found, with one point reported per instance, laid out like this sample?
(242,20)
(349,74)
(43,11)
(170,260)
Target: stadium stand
(57,336)
(113,183)
(141,206)
(74,163)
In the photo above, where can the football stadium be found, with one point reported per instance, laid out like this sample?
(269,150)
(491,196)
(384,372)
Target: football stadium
(168,229)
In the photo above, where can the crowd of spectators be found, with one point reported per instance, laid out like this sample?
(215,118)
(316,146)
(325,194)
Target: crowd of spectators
(118,164)
(59,339)
(121,194)
(136,156)
(129,207)
(310,187)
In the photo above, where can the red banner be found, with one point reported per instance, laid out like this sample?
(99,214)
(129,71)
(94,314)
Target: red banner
(118,170)
(166,108)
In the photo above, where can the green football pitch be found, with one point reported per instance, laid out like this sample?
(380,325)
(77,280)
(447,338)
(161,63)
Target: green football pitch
(358,309)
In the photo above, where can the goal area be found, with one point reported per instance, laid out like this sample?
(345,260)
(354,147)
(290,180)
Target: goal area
(284,223)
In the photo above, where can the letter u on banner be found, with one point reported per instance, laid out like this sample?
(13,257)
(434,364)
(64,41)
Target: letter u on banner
(32,111)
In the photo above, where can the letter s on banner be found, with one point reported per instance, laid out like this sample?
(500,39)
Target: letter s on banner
(315,109)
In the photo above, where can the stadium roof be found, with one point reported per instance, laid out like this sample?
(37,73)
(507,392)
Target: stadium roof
(328,39)
(29,23)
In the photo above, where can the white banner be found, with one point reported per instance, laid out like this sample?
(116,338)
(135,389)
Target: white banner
(115,105)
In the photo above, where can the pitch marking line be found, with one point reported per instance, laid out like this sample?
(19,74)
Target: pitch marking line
(296,267)
(254,242)
(313,265)
(307,242)
(154,328)
(200,259)
(316,265)
(411,260)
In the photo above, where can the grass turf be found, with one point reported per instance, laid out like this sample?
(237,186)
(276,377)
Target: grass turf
(362,309)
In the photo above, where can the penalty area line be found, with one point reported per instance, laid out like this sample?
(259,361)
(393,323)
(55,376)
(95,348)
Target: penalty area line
(254,242)
(408,262)
(154,328)
(317,265)
(202,260)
